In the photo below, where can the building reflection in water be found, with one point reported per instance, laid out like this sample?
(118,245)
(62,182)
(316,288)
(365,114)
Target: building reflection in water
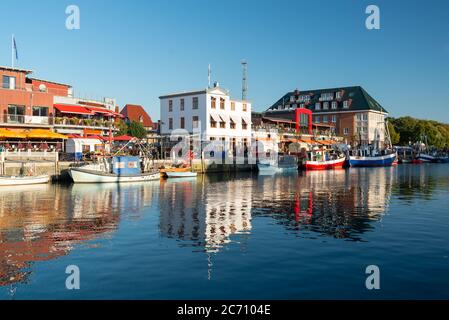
(43,222)
(205,213)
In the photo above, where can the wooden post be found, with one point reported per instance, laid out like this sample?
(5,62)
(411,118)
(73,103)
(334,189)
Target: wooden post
(2,162)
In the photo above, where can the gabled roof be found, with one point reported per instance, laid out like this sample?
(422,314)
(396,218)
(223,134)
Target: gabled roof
(360,99)
(137,113)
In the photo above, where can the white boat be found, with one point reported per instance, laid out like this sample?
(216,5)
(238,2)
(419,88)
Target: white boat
(116,170)
(81,175)
(180,174)
(268,168)
(23,180)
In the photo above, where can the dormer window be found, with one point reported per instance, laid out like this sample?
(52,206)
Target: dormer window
(338,95)
(326,105)
(141,119)
(318,106)
(346,104)
(334,104)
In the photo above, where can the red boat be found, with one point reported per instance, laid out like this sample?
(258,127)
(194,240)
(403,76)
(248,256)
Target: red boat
(323,160)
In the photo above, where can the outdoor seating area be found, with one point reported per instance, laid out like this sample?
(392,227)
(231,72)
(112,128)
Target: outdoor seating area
(35,140)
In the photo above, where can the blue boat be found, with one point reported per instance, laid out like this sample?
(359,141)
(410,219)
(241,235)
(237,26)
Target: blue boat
(385,160)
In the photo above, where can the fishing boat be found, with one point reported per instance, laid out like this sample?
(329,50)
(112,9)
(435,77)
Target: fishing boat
(183,172)
(120,169)
(23,180)
(269,167)
(323,159)
(372,158)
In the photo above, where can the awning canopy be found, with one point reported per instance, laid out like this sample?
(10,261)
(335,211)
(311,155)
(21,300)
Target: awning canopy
(216,117)
(123,138)
(43,134)
(8,134)
(235,119)
(99,110)
(224,118)
(66,108)
(246,120)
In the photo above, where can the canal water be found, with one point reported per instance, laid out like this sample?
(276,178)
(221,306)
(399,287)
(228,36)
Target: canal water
(288,236)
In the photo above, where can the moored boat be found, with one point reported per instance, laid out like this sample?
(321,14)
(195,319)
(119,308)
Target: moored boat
(184,172)
(322,159)
(372,161)
(23,180)
(120,169)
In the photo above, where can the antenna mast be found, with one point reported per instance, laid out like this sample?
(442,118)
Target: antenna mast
(244,78)
(208,76)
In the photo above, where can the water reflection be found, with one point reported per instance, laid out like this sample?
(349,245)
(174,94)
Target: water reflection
(43,222)
(205,214)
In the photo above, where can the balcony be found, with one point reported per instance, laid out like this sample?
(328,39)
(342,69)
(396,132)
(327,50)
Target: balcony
(17,120)
(25,121)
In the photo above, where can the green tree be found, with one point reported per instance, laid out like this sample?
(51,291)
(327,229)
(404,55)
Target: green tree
(122,128)
(136,129)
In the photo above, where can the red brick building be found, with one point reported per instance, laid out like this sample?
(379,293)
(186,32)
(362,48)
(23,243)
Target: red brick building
(25,101)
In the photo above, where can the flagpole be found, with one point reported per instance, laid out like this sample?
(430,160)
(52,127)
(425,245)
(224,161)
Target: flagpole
(12,51)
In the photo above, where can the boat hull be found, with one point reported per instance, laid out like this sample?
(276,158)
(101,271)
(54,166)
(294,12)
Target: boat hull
(90,176)
(21,181)
(380,161)
(426,158)
(324,165)
(180,174)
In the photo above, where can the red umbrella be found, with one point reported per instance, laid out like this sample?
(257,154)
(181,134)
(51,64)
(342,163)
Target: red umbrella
(123,138)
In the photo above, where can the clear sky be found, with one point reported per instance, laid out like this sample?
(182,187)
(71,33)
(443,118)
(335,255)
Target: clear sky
(136,51)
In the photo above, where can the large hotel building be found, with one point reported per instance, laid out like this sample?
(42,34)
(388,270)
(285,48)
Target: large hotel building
(350,112)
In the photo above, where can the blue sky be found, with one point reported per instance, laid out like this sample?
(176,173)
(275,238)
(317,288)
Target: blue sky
(136,51)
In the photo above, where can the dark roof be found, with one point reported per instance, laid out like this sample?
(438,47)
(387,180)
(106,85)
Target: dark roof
(360,99)
(136,113)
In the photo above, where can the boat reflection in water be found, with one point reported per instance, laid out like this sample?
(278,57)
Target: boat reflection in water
(43,222)
(210,213)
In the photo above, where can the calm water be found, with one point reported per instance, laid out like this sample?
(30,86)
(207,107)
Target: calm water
(297,236)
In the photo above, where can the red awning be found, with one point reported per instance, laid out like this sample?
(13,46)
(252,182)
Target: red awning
(104,111)
(66,108)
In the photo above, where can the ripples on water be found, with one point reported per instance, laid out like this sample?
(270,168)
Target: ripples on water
(305,235)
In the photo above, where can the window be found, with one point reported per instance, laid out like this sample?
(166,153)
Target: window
(326,105)
(334,105)
(325,119)
(317,119)
(317,106)
(327,96)
(232,106)
(213,103)
(195,121)
(170,123)
(40,111)
(232,124)
(213,123)
(181,105)
(16,114)
(346,104)
(170,105)
(346,131)
(222,125)
(302,106)
(338,95)
(364,117)
(222,103)
(182,123)
(141,119)
(9,82)
(212,138)
(244,107)
(334,118)
(195,103)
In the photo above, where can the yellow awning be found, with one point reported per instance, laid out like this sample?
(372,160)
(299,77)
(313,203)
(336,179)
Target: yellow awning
(43,134)
(8,134)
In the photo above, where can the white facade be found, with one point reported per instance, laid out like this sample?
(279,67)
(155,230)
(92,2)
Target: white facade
(370,125)
(209,111)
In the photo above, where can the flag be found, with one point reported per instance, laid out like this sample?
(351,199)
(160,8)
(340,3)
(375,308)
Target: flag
(15,47)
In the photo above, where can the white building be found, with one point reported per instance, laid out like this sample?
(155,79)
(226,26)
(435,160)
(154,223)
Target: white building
(210,111)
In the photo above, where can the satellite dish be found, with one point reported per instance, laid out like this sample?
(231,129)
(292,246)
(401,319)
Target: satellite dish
(42,87)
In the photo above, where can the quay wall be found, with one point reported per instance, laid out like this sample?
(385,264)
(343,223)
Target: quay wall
(58,170)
